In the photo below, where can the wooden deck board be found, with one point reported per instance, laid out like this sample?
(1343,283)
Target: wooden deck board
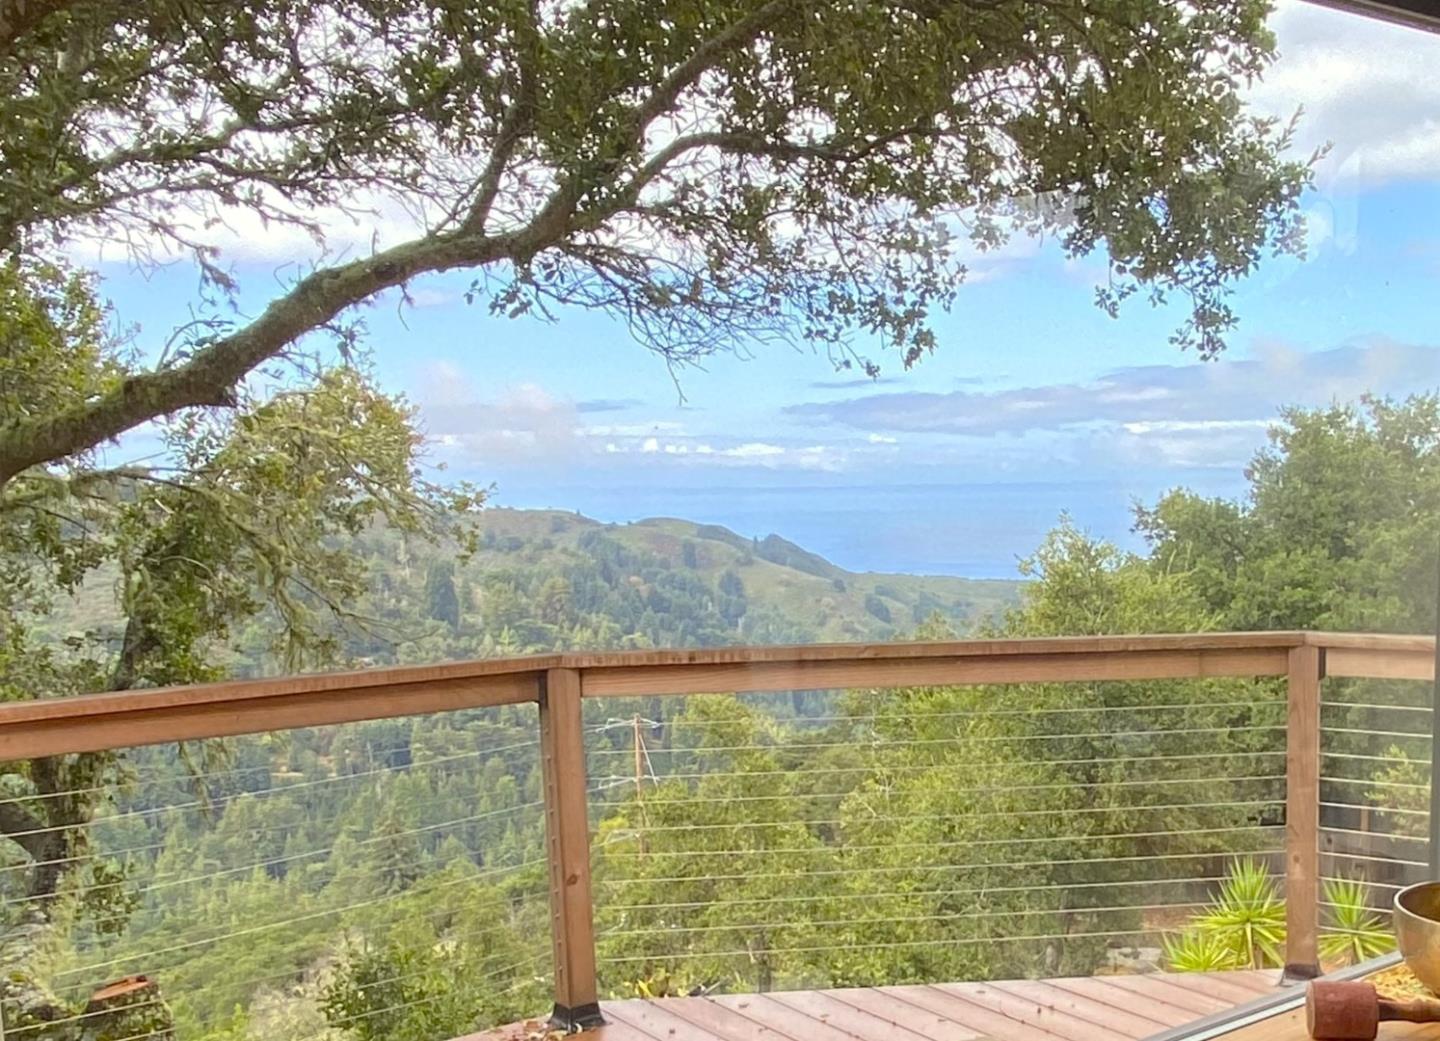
(1042,1020)
(1100,989)
(1110,1008)
(922,1021)
(854,1020)
(795,1022)
(987,1022)
(1081,1007)
(1228,993)
(1162,988)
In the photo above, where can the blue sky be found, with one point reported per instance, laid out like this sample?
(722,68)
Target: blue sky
(1034,403)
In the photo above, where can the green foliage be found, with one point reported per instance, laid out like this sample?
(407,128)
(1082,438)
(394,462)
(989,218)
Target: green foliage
(1336,532)
(1086,586)
(1352,931)
(698,864)
(141,1013)
(1248,916)
(440,975)
(1244,926)
(442,603)
(1202,950)
(244,528)
(59,351)
(1402,793)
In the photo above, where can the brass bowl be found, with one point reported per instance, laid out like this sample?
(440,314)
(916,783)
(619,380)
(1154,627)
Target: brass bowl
(1417,930)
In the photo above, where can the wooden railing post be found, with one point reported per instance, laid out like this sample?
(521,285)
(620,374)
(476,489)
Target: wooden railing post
(1302,813)
(567,852)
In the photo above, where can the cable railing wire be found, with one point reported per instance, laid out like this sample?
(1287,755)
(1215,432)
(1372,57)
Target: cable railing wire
(882,744)
(958,844)
(934,868)
(870,818)
(1190,880)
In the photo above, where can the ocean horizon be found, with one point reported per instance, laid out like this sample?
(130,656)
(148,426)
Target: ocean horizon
(967,530)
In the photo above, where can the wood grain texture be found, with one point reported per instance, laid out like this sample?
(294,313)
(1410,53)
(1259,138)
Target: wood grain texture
(1097,989)
(1112,1008)
(921,1022)
(1398,643)
(841,674)
(1081,1007)
(108,721)
(1380,663)
(856,1021)
(567,840)
(943,648)
(1302,809)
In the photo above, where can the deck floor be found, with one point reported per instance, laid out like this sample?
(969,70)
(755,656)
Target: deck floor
(1108,1008)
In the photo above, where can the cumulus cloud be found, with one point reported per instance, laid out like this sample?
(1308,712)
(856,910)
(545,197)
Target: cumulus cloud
(1367,87)
(529,426)
(730,452)
(521,423)
(1153,399)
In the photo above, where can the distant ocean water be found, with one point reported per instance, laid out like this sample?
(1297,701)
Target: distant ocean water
(976,531)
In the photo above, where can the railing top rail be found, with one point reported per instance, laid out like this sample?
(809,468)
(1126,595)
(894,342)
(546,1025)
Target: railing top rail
(1390,642)
(912,649)
(393,679)
(116,720)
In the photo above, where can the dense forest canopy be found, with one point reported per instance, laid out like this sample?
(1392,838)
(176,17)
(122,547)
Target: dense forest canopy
(386,880)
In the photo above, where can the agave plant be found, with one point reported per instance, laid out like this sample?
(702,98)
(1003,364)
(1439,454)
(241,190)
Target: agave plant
(1247,916)
(1195,950)
(1353,932)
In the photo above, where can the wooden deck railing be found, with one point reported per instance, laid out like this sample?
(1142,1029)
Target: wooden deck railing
(559,683)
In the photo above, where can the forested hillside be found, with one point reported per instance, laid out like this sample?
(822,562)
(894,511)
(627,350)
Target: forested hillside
(544,580)
(386,880)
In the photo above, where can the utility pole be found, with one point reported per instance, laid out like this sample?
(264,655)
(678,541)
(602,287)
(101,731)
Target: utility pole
(639,745)
(638,740)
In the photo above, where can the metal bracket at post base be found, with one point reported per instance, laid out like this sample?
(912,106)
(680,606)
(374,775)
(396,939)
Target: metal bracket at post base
(573,1020)
(1298,973)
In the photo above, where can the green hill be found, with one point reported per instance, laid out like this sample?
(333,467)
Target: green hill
(761,590)
(546,580)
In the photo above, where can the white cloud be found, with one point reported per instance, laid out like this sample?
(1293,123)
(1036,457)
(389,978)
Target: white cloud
(633,429)
(1367,87)
(425,297)
(523,423)
(720,452)
(365,224)
(1150,397)
(754,450)
(527,425)
(1203,426)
